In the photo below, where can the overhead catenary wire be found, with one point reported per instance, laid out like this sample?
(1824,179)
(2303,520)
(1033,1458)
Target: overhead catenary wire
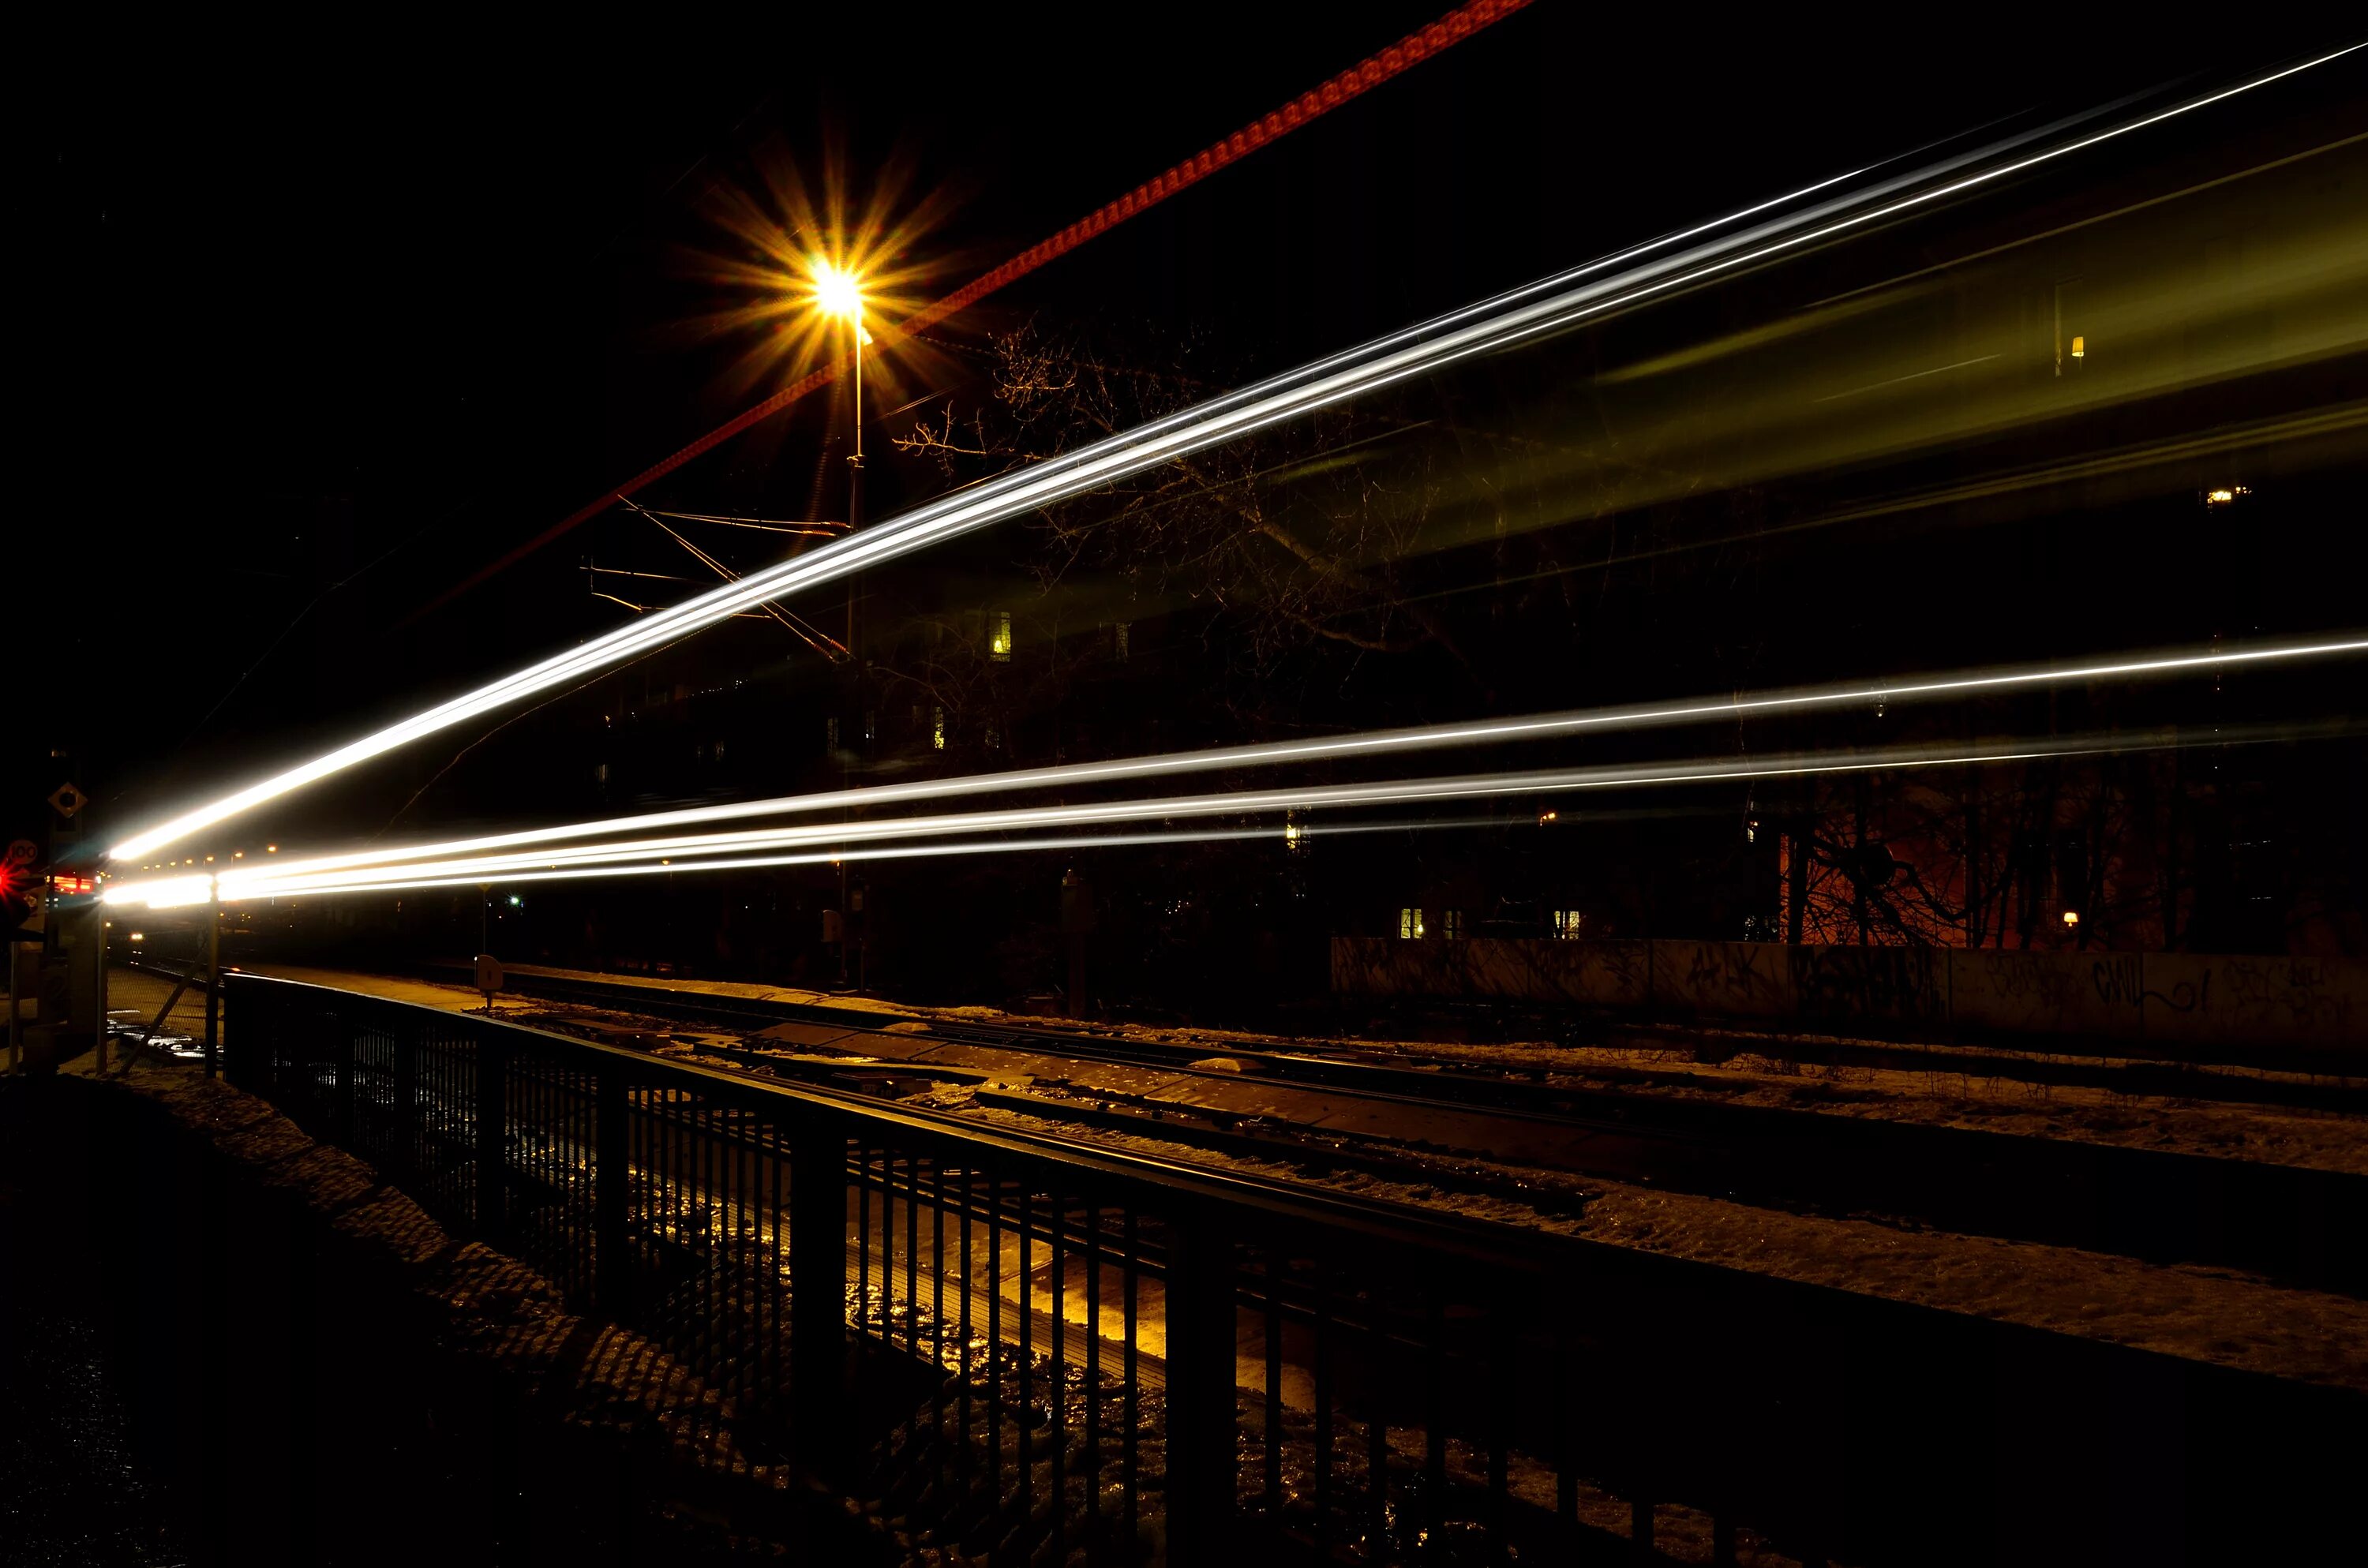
(820,529)
(798,626)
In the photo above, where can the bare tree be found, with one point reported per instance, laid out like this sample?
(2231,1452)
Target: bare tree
(1297,537)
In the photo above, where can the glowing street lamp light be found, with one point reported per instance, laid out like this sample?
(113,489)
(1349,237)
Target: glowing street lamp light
(837,292)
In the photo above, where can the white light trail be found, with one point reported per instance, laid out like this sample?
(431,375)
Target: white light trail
(161,892)
(1547,305)
(1489,731)
(694,847)
(889,852)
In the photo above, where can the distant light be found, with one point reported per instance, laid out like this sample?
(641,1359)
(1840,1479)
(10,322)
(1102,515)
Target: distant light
(516,902)
(2224,494)
(271,849)
(138,936)
(210,859)
(1545,817)
(2080,348)
(2071,917)
(238,854)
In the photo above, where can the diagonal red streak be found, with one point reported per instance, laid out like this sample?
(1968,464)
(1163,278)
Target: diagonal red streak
(1403,56)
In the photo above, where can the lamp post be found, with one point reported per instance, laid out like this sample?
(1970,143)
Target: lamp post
(838,292)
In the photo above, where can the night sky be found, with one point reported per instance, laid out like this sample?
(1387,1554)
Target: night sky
(323,322)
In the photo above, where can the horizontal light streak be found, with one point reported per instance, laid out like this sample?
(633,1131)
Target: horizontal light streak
(896,852)
(1381,743)
(1484,328)
(692,849)
(161,893)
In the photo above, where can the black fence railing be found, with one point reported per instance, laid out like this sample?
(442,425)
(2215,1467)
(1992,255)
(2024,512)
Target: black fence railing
(1033,1349)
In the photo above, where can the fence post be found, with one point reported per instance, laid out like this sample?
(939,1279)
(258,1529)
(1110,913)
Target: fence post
(343,1048)
(493,1163)
(234,1062)
(404,1138)
(1201,1415)
(612,1172)
(818,1393)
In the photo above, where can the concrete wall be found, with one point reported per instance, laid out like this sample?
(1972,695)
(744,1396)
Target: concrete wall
(2165,1004)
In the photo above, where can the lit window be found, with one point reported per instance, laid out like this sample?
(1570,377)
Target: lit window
(1294,837)
(938,733)
(1568,925)
(2080,348)
(1451,924)
(2071,918)
(1409,923)
(999,640)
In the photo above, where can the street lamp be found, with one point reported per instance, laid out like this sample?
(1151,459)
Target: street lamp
(836,291)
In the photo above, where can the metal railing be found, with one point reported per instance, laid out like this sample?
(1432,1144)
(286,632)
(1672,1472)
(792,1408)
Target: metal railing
(1020,1344)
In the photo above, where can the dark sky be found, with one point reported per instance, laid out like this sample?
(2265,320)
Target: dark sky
(320,322)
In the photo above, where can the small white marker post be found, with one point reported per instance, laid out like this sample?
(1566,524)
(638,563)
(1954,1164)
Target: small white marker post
(489,977)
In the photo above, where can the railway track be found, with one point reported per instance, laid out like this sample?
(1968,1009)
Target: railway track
(2298,1224)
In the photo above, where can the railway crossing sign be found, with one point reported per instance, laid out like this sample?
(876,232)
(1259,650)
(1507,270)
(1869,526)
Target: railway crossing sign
(66,800)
